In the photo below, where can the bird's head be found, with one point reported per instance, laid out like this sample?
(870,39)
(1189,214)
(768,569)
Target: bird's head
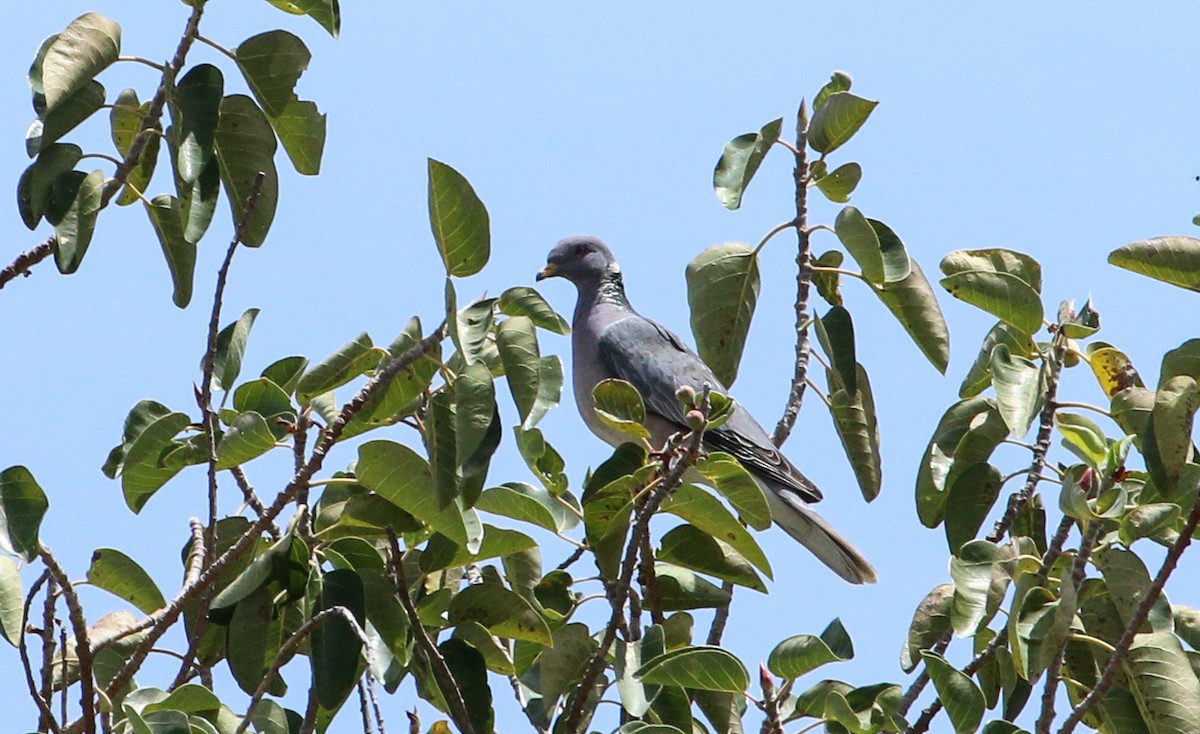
(580,259)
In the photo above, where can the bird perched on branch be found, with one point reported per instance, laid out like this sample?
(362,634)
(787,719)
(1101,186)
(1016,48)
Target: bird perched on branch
(611,340)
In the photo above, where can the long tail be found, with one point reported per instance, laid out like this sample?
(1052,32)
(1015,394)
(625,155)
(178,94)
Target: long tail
(813,532)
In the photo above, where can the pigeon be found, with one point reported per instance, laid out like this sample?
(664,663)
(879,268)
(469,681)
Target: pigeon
(612,340)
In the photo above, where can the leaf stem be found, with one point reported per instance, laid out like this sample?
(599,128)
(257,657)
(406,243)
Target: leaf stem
(776,230)
(209,42)
(1086,406)
(146,62)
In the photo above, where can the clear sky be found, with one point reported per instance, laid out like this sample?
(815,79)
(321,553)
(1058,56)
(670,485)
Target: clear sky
(1062,130)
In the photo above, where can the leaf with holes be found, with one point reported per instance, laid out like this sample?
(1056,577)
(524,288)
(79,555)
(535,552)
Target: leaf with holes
(272,63)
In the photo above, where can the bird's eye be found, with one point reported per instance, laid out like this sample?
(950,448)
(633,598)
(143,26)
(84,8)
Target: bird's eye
(580,251)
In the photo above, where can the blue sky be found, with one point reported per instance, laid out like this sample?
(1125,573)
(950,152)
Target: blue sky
(1061,130)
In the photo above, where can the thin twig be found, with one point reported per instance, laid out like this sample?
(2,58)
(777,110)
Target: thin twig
(441,671)
(210,361)
(288,649)
(362,707)
(720,618)
(1108,676)
(243,483)
(48,614)
(803,280)
(682,459)
(1054,669)
(571,559)
(309,724)
(649,582)
(46,721)
(83,651)
(27,260)
(375,705)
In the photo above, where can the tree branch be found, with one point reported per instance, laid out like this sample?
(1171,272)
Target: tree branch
(441,671)
(27,260)
(288,649)
(803,279)
(46,721)
(678,462)
(83,651)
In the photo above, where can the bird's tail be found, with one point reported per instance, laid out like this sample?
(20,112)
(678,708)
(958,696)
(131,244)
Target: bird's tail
(813,532)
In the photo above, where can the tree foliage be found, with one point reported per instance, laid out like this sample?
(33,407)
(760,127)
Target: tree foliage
(414,562)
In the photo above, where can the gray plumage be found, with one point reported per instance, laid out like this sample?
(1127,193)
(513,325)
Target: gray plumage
(611,340)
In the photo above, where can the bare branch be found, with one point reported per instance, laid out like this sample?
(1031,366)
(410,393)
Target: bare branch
(46,722)
(441,671)
(27,260)
(83,651)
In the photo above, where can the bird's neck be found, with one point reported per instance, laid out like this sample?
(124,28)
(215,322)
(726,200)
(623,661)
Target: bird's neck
(611,289)
(608,290)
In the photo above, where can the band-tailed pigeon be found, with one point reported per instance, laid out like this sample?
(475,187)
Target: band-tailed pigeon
(611,340)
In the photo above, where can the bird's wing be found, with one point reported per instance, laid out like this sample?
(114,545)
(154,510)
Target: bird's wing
(658,363)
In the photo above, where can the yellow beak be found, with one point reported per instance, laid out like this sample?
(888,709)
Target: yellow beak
(547,272)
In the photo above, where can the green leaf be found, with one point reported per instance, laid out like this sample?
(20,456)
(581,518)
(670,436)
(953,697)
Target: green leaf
(120,575)
(740,161)
(125,120)
(441,552)
(1163,682)
(248,437)
(966,435)
(629,657)
(352,360)
(405,479)
(930,622)
(563,664)
(1174,260)
(801,654)
(517,342)
(703,668)
(506,613)
(1079,325)
(198,204)
(979,377)
(522,502)
(245,146)
(469,328)
(837,338)
(679,589)
(1085,439)
(542,459)
(971,570)
(861,241)
(1000,294)
(198,100)
(73,207)
(733,482)
(231,347)
(142,474)
(1148,521)
(327,13)
(839,81)
(37,181)
(829,284)
(1128,584)
(272,63)
(840,115)
(858,430)
(840,183)
(525,301)
(619,405)
(995,260)
(469,671)
(1175,407)
(896,263)
(12,601)
(961,697)
(475,404)
(1182,360)
(459,221)
(286,372)
(723,284)
(969,501)
(57,122)
(913,303)
(1018,388)
(335,644)
(708,514)
(690,547)
(179,253)
(85,48)
(23,504)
